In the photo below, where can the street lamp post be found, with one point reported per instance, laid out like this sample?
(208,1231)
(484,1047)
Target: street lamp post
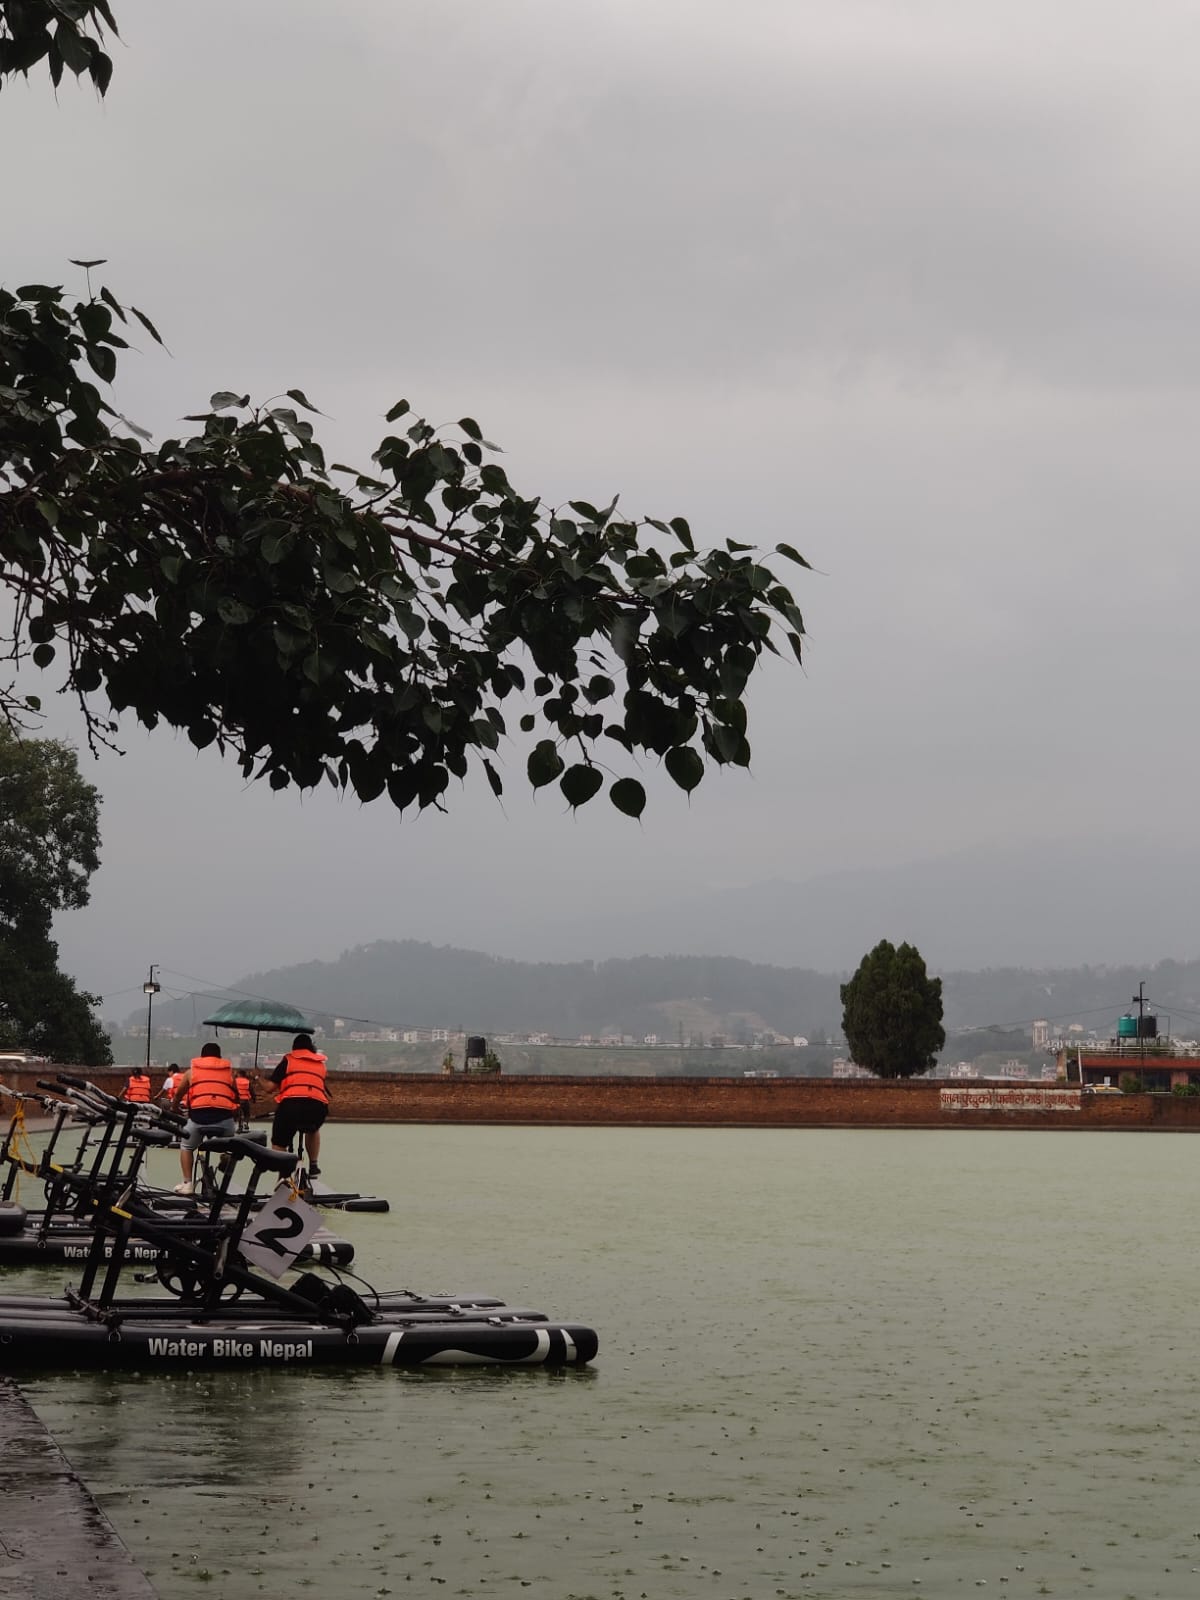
(150,989)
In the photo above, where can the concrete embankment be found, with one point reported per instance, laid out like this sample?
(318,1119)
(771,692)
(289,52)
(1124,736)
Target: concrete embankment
(724,1102)
(55,1542)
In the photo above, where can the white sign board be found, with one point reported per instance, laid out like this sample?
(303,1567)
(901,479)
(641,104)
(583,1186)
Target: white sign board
(1000,1098)
(276,1235)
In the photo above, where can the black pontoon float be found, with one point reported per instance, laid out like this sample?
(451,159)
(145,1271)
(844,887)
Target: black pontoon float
(234,1296)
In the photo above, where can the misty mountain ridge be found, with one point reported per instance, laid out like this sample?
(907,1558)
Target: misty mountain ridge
(411,985)
(1063,931)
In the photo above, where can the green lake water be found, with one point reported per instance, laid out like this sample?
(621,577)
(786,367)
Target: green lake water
(831,1364)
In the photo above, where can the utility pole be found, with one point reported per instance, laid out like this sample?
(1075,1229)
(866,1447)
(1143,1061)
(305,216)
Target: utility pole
(150,989)
(1139,1001)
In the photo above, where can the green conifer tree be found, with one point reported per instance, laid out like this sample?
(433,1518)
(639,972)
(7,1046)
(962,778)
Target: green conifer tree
(892,1013)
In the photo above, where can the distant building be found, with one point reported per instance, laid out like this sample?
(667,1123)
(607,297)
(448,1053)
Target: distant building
(842,1068)
(1159,1069)
(1041,1035)
(1010,1072)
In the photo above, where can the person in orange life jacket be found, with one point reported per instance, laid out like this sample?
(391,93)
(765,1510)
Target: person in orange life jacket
(212,1102)
(164,1094)
(302,1101)
(245,1094)
(137,1089)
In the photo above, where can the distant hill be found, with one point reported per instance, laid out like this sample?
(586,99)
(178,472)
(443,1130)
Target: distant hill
(410,984)
(416,985)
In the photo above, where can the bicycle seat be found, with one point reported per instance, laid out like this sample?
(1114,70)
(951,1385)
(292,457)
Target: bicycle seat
(262,1156)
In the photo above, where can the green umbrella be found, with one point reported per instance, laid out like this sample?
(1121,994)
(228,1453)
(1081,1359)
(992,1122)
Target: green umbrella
(264,1016)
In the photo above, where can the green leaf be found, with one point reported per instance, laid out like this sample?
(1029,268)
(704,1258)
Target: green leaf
(317,668)
(202,733)
(628,796)
(338,581)
(301,399)
(528,723)
(493,778)
(469,426)
(544,764)
(398,410)
(224,398)
(624,636)
(579,783)
(102,361)
(275,546)
(138,433)
(685,766)
(793,555)
(146,323)
(233,612)
(99,262)
(43,655)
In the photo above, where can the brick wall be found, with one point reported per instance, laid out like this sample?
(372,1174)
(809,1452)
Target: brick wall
(694,1102)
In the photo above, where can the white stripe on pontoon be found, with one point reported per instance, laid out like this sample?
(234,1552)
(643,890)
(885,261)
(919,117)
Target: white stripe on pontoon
(542,1349)
(391,1348)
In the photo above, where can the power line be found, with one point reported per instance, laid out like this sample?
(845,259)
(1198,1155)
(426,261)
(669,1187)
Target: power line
(227,988)
(1025,1022)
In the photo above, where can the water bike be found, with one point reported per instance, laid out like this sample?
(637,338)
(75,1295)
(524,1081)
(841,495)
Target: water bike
(58,1231)
(236,1291)
(68,1114)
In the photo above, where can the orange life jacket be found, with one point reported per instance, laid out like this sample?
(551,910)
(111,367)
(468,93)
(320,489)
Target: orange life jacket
(242,1084)
(303,1077)
(137,1090)
(211,1085)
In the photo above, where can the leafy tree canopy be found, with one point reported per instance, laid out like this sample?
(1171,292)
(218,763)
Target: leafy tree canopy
(892,1013)
(49,848)
(41,1010)
(325,622)
(49,830)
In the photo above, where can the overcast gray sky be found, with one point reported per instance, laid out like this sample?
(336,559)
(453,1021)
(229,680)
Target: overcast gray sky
(913,286)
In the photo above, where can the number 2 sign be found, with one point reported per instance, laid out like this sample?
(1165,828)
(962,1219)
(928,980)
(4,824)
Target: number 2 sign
(279,1232)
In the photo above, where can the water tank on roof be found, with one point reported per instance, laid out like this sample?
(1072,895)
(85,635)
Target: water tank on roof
(476,1048)
(1127,1027)
(1147,1026)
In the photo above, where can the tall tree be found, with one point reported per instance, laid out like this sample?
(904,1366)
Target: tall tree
(326,623)
(892,1012)
(49,848)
